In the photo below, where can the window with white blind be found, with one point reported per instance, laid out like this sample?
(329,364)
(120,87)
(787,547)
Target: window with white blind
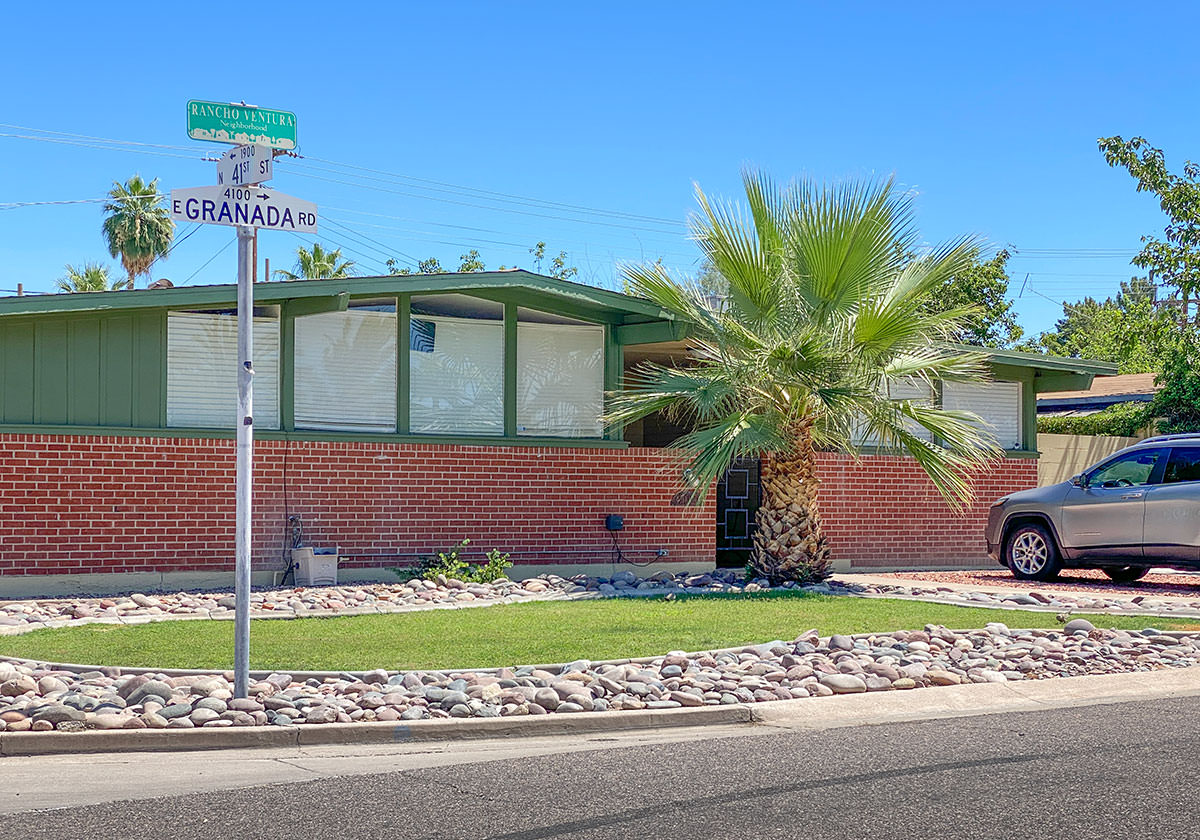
(905,389)
(346,369)
(560,380)
(456,366)
(998,404)
(202,367)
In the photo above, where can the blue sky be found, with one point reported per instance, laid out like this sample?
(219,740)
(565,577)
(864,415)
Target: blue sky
(990,113)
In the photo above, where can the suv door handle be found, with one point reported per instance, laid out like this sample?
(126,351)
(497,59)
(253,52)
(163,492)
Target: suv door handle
(1136,495)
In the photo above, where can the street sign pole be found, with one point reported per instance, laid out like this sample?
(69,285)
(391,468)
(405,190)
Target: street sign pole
(238,201)
(245,453)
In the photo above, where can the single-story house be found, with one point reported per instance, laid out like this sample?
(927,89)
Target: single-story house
(1105,391)
(395,416)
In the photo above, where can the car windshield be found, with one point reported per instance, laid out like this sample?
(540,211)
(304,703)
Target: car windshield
(1128,470)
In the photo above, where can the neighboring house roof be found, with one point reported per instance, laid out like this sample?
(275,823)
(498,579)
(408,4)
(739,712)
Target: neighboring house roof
(1104,391)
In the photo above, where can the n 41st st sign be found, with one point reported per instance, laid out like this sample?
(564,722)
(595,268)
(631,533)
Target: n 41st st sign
(244,206)
(244,165)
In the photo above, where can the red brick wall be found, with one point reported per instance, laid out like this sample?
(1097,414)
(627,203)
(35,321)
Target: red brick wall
(882,511)
(120,504)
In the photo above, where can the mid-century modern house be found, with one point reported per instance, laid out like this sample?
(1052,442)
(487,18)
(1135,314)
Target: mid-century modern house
(395,416)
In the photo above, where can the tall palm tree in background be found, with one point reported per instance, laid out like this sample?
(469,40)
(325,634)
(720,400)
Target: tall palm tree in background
(93,277)
(138,226)
(825,311)
(318,264)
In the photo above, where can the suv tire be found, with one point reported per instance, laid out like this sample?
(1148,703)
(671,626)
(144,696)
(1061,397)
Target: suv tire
(1126,574)
(1030,553)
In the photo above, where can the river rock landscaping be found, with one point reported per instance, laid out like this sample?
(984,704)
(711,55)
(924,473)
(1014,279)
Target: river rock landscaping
(39,697)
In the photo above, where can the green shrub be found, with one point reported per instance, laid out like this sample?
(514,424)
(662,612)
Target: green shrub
(1122,420)
(450,564)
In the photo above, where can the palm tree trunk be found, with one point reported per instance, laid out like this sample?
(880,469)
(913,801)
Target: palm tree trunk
(789,544)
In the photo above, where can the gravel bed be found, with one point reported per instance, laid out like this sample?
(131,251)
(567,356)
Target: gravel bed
(1071,580)
(44,697)
(1041,598)
(300,602)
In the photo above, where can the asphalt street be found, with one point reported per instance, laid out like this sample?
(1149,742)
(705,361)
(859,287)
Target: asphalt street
(1118,771)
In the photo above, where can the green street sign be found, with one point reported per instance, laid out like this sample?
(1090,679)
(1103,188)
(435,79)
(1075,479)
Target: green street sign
(223,122)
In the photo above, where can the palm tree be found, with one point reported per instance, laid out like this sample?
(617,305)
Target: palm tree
(318,264)
(825,311)
(138,227)
(93,277)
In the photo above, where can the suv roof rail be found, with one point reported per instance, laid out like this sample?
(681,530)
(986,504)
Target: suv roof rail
(1180,436)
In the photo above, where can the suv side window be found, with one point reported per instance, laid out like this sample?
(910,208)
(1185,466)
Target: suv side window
(1183,465)
(1132,469)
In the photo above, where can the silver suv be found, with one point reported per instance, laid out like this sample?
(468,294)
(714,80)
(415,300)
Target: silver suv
(1136,509)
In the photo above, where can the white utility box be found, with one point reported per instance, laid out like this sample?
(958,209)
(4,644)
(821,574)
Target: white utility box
(315,566)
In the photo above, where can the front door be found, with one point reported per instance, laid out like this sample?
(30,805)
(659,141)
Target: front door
(1105,516)
(738,494)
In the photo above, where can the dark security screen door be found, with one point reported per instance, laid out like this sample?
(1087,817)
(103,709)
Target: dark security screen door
(738,496)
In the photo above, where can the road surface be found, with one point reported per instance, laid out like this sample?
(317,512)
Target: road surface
(1119,771)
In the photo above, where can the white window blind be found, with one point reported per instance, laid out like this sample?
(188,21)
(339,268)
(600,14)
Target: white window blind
(456,375)
(560,380)
(202,368)
(346,371)
(905,389)
(997,403)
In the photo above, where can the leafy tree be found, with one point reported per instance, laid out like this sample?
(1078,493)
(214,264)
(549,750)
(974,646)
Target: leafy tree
(92,277)
(1177,403)
(318,263)
(1173,260)
(824,314)
(469,262)
(138,226)
(1123,420)
(982,287)
(1130,329)
(559,269)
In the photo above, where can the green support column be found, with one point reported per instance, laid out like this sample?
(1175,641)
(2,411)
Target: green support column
(1029,414)
(614,374)
(510,369)
(287,368)
(403,370)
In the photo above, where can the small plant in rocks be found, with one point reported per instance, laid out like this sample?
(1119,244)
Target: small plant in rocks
(450,564)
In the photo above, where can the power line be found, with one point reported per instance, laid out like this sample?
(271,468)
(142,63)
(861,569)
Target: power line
(220,251)
(445,186)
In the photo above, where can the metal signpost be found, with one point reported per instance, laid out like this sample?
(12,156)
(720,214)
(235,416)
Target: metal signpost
(237,201)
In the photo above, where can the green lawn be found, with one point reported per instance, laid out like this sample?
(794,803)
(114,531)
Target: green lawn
(553,631)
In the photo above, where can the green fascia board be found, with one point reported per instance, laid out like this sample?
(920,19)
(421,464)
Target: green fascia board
(1016,358)
(651,332)
(601,301)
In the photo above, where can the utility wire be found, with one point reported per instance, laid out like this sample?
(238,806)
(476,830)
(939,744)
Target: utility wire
(220,251)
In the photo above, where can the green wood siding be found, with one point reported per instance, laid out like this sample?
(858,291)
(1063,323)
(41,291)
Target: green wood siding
(84,370)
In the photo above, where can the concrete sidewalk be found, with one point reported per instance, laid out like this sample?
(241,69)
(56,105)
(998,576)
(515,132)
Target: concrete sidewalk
(57,781)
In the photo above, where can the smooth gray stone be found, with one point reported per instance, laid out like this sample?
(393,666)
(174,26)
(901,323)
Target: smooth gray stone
(843,683)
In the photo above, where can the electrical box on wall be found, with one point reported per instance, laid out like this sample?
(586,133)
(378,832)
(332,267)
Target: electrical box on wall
(614,522)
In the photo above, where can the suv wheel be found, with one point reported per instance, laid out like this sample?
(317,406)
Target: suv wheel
(1126,574)
(1031,554)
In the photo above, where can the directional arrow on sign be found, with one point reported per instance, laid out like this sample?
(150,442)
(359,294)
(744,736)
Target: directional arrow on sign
(245,207)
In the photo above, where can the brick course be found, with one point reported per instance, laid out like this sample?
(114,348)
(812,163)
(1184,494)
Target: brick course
(125,504)
(76,504)
(883,511)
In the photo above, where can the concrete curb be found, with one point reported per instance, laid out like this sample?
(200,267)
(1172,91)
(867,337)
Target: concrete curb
(144,740)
